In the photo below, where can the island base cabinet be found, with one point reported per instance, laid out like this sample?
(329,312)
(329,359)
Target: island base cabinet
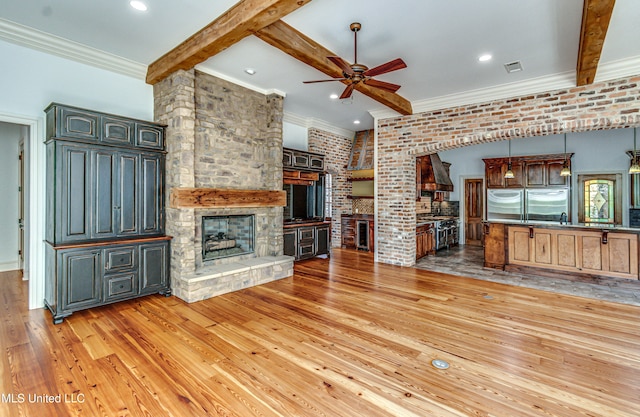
(87,276)
(604,253)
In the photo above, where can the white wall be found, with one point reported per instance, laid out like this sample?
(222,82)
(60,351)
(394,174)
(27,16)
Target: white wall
(10,135)
(29,81)
(602,151)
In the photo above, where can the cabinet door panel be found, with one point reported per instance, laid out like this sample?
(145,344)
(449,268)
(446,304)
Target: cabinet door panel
(154,271)
(620,255)
(591,253)
(535,174)
(127,207)
(80,279)
(322,240)
(553,173)
(567,250)
(542,248)
(102,194)
(73,181)
(519,245)
(290,242)
(152,194)
(494,174)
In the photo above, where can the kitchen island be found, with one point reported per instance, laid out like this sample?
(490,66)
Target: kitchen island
(588,250)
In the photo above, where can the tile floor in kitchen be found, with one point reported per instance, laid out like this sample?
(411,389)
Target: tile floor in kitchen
(467,261)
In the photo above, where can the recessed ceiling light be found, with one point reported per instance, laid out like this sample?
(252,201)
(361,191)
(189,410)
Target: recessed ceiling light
(356,122)
(334,96)
(484,58)
(250,71)
(138,5)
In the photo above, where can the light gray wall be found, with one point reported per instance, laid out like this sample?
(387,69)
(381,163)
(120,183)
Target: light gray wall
(32,79)
(294,136)
(10,135)
(602,151)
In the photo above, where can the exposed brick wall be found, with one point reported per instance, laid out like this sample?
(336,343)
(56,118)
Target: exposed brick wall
(606,105)
(336,150)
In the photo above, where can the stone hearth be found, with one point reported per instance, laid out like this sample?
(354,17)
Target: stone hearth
(221,136)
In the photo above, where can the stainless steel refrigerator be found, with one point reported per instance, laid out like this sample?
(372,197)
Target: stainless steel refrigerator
(534,205)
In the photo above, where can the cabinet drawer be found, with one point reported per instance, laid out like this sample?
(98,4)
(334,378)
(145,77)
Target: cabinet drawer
(117,131)
(120,258)
(306,233)
(77,124)
(306,250)
(316,162)
(120,286)
(148,136)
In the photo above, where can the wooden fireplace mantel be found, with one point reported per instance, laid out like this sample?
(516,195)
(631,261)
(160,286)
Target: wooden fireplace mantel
(217,198)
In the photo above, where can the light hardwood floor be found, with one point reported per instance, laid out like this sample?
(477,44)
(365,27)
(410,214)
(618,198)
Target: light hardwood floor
(343,337)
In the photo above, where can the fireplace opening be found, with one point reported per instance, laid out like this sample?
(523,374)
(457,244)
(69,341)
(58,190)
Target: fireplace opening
(225,236)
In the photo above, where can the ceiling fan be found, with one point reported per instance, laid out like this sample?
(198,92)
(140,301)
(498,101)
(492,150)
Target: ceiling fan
(356,73)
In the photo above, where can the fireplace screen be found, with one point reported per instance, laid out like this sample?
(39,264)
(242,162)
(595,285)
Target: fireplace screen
(224,236)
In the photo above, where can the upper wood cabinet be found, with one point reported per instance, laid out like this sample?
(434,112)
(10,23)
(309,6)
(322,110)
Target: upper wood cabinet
(495,169)
(301,160)
(529,171)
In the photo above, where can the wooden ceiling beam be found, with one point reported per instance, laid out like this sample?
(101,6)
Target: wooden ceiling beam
(284,37)
(240,21)
(596,15)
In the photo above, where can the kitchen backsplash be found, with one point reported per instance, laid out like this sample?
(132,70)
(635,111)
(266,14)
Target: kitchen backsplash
(362,206)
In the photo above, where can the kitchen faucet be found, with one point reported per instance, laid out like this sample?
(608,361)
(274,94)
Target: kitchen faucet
(563,218)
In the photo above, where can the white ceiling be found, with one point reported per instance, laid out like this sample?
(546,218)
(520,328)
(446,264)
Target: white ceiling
(439,40)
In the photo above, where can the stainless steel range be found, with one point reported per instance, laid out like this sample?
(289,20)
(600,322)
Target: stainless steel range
(446,233)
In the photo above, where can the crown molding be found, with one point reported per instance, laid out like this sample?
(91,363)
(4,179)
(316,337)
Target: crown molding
(608,71)
(266,92)
(64,48)
(311,122)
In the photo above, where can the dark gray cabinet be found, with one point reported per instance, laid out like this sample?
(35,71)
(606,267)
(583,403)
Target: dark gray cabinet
(307,240)
(104,193)
(301,160)
(105,210)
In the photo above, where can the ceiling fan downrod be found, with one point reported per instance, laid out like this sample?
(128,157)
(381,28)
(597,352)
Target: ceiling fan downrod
(355,27)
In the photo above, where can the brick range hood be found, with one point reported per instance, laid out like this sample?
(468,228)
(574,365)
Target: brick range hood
(224,158)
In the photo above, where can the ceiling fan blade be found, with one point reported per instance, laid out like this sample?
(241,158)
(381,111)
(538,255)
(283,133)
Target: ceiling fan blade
(382,84)
(394,65)
(323,81)
(347,91)
(342,64)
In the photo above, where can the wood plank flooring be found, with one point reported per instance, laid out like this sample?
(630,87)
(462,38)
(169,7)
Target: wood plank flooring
(343,337)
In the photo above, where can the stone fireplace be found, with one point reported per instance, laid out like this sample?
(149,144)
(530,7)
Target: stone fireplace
(224,162)
(225,236)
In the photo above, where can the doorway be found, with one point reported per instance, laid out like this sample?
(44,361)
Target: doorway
(32,129)
(474,203)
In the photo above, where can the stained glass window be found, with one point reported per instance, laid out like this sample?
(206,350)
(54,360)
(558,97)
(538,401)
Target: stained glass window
(599,201)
